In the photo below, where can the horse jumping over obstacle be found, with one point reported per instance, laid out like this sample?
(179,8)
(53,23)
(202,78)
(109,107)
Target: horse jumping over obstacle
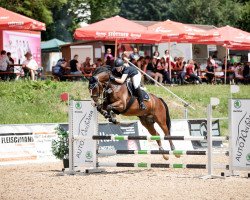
(111,97)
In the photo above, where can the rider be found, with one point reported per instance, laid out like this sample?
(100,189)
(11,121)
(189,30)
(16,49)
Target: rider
(123,72)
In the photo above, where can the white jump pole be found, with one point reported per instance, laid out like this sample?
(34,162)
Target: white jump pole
(186,104)
(213,102)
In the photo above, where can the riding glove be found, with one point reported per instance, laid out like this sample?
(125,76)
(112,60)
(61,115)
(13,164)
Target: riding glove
(112,78)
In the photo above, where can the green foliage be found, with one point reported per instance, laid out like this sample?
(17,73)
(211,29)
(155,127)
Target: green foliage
(40,10)
(244,21)
(60,146)
(101,9)
(213,12)
(149,11)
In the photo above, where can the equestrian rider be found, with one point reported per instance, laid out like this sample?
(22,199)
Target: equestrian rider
(123,73)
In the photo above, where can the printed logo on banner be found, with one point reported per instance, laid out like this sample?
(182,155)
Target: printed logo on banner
(241,140)
(237,104)
(248,157)
(78,106)
(89,155)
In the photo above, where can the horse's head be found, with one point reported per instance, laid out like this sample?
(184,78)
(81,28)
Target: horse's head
(97,82)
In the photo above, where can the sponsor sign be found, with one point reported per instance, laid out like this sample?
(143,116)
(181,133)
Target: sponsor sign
(26,143)
(124,129)
(240,133)
(83,122)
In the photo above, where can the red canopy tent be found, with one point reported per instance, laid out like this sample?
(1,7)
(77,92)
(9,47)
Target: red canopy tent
(13,21)
(179,32)
(231,38)
(117,29)
(228,35)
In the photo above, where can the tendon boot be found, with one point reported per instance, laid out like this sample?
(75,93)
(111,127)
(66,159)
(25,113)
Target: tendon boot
(140,99)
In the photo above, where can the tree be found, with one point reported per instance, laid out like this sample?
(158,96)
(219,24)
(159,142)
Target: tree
(39,10)
(244,21)
(140,10)
(214,12)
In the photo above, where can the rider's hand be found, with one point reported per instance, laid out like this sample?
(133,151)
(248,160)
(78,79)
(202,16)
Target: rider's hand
(112,78)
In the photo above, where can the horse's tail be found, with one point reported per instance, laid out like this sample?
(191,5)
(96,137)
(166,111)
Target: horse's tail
(168,120)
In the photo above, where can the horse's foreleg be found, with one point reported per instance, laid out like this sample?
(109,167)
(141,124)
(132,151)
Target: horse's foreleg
(116,105)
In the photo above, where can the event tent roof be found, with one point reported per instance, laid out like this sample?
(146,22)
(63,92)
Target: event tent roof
(52,45)
(12,21)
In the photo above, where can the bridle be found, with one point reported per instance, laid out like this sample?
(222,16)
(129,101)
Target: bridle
(96,84)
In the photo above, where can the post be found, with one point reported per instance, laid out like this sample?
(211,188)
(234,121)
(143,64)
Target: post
(71,142)
(169,61)
(115,48)
(213,102)
(185,112)
(225,78)
(209,139)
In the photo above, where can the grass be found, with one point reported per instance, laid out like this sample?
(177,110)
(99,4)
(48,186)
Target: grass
(25,102)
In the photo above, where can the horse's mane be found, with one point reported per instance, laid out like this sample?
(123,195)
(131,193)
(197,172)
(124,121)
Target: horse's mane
(101,69)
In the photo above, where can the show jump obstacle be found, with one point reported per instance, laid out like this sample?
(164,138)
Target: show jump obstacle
(83,151)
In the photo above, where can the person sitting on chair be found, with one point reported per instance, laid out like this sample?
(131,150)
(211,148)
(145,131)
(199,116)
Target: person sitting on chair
(124,72)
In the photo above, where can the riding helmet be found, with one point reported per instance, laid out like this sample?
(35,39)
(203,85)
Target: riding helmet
(119,62)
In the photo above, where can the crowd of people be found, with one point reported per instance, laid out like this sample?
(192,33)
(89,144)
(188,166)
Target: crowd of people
(160,67)
(29,67)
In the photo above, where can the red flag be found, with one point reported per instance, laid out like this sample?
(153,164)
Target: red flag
(65,96)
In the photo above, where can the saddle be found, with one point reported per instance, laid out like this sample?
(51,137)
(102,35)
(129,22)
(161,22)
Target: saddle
(131,90)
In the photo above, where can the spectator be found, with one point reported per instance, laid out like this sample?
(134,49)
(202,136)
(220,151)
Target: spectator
(30,64)
(59,68)
(158,75)
(86,66)
(246,71)
(99,63)
(167,58)
(239,72)
(108,54)
(135,55)
(156,55)
(210,73)
(182,75)
(4,61)
(10,58)
(190,72)
(163,69)
(74,65)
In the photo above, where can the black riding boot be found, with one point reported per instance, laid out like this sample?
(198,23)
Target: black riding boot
(140,99)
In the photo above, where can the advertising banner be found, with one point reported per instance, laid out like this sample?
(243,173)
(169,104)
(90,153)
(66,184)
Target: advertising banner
(26,143)
(82,123)
(240,133)
(124,129)
(19,43)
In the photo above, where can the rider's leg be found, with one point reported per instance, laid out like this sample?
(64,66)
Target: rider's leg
(136,82)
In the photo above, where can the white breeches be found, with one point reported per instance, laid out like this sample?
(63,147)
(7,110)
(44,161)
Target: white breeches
(136,80)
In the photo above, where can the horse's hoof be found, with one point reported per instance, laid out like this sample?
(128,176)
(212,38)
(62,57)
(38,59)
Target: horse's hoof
(177,155)
(165,157)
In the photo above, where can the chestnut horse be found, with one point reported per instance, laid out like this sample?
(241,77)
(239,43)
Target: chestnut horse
(111,97)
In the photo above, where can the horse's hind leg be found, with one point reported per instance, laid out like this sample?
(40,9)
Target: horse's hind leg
(148,123)
(161,121)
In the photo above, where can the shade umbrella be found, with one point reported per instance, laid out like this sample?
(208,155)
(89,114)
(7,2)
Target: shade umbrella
(13,21)
(117,29)
(178,32)
(231,38)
